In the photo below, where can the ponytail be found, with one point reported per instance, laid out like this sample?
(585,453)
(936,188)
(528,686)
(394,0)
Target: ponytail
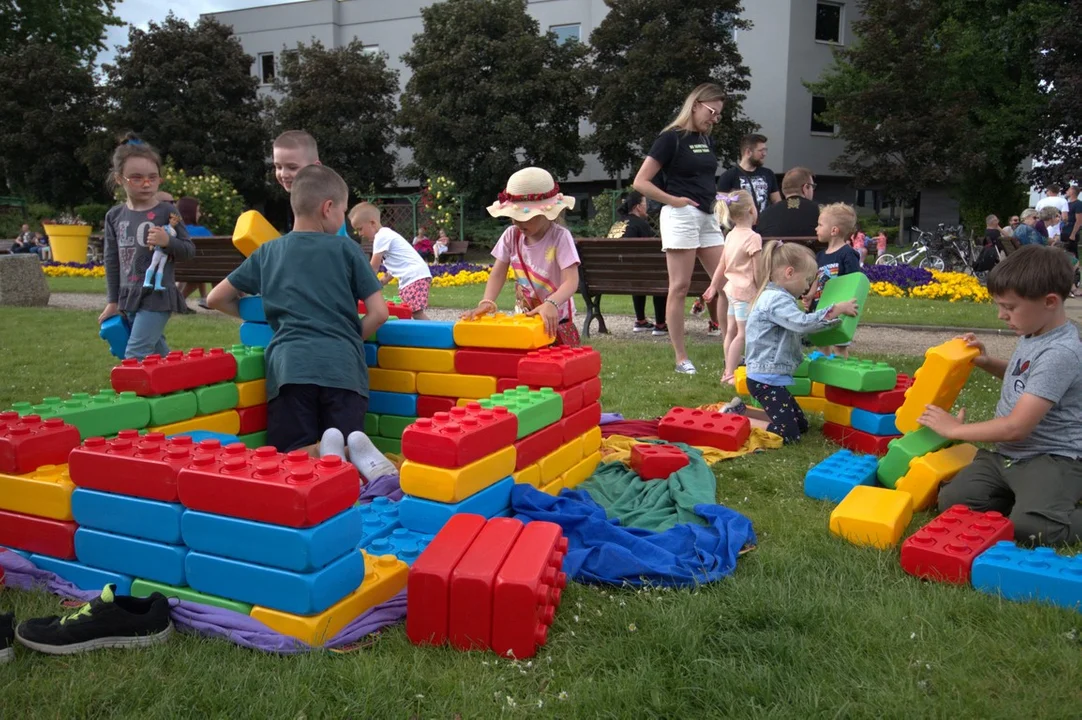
(630,201)
(734,206)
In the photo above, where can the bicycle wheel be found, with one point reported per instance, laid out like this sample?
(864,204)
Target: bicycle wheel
(886,259)
(932,262)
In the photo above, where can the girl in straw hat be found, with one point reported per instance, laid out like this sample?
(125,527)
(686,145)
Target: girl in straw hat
(540,252)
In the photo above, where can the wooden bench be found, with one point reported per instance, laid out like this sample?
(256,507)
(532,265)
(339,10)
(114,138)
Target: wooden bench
(633,266)
(5,246)
(215,257)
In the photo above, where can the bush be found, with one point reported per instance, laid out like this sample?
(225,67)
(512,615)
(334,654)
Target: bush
(12,219)
(219,203)
(93,213)
(484,232)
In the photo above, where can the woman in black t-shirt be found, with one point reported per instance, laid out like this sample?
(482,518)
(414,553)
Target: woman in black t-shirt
(685,153)
(633,224)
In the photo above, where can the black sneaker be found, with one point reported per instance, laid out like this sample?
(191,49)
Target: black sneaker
(643,326)
(660,329)
(7,637)
(109,621)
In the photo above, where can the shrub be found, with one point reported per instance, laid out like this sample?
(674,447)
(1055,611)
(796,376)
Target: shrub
(93,213)
(219,202)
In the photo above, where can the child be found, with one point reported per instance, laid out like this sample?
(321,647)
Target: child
(441,246)
(881,244)
(859,242)
(402,261)
(837,222)
(1034,475)
(133,231)
(774,329)
(292,151)
(736,271)
(541,253)
(310,281)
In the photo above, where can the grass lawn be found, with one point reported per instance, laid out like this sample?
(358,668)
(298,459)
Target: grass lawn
(807,626)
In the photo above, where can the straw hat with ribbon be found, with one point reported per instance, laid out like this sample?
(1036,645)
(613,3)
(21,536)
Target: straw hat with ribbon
(531,192)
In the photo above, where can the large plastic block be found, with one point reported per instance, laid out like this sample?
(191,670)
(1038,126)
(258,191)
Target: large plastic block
(418,333)
(131,556)
(377,519)
(145,588)
(581,471)
(801,387)
(529,475)
(873,423)
(456,386)
(216,398)
(83,576)
(801,369)
(371,354)
(404,544)
(937,382)
(155,375)
(452,485)
(254,440)
(904,450)
(657,462)
(530,449)
(256,334)
(581,422)
(561,460)
(125,515)
(198,436)
(371,424)
(740,381)
(945,548)
(227,421)
(528,590)
(834,477)
(928,472)
(553,488)
(396,381)
(20,553)
(142,466)
(251,309)
(251,363)
(33,534)
(535,409)
(392,426)
(419,360)
(838,414)
(116,331)
(251,231)
(843,288)
(28,442)
(572,396)
(591,441)
(503,332)
(853,374)
(394,310)
(385,403)
(251,393)
(811,404)
(502,364)
(252,419)
(559,367)
(1038,575)
(857,441)
(428,596)
(459,437)
(724,431)
(300,550)
(387,446)
(104,413)
(882,402)
(292,592)
(428,517)
(45,492)
(473,583)
(174,407)
(819,390)
(872,516)
(429,405)
(385,576)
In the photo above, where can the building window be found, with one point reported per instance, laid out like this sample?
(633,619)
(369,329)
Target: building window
(818,125)
(370,49)
(828,22)
(567,33)
(266,68)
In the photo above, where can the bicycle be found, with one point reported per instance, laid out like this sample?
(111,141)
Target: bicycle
(920,254)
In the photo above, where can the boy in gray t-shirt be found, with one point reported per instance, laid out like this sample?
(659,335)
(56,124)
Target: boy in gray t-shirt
(1035,473)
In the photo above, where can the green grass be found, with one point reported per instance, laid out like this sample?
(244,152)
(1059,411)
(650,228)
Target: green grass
(807,626)
(919,311)
(88,285)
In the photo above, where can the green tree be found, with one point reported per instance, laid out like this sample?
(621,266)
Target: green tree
(490,94)
(1058,141)
(345,98)
(73,27)
(647,56)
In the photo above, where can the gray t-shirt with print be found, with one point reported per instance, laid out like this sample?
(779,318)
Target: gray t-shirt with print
(1048,366)
(127,258)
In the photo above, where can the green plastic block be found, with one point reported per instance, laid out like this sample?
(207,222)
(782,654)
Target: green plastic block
(217,397)
(250,363)
(391,426)
(801,386)
(102,414)
(535,409)
(371,424)
(802,369)
(254,440)
(171,408)
(387,445)
(906,449)
(854,286)
(853,374)
(143,588)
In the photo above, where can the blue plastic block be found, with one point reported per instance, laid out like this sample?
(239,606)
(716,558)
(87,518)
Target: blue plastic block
(371,354)
(17,552)
(1040,575)
(378,519)
(404,544)
(126,515)
(429,516)
(131,556)
(300,550)
(116,332)
(816,355)
(417,333)
(251,309)
(389,403)
(300,593)
(255,334)
(82,576)
(873,423)
(834,477)
(199,436)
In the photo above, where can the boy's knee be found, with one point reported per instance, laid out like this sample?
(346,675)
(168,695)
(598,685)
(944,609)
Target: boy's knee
(1032,528)
(949,496)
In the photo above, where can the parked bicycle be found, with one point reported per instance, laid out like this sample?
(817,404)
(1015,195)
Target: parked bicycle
(920,255)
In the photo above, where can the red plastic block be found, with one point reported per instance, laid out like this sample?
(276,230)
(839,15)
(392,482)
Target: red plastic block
(657,462)
(857,440)
(54,538)
(723,431)
(402,312)
(292,489)
(883,402)
(459,437)
(428,590)
(176,371)
(528,590)
(252,419)
(27,443)
(470,618)
(559,367)
(581,422)
(494,363)
(429,405)
(537,445)
(945,548)
(572,396)
(591,390)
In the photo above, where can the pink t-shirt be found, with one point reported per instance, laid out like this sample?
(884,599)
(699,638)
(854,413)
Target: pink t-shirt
(545,260)
(738,259)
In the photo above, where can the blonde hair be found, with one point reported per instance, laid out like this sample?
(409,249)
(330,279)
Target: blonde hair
(363,212)
(733,207)
(1027,214)
(842,216)
(298,140)
(314,185)
(707,92)
(777,255)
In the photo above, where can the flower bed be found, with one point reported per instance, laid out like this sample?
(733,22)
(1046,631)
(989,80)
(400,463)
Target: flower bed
(71,269)
(908,281)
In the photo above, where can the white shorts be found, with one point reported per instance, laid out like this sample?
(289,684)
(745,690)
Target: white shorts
(689,228)
(738,308)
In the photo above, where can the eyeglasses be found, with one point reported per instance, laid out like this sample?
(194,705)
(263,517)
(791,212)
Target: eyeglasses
(713,113)
(137,180)
(811,185)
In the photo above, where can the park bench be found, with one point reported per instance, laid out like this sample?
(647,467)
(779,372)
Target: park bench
(215,257)
(5,246)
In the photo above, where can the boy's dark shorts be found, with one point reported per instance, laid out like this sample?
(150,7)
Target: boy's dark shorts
(301,413)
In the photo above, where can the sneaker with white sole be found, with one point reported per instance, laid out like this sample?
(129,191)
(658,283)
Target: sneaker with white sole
(642,326)
(685,368)
(660,329)
(7,637)
(712,329)
(735,406)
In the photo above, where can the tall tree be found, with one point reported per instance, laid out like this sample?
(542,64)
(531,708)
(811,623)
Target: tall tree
(1058,141)
(490,94)
(345,98)
(647,56)
(189,91)
(74,27)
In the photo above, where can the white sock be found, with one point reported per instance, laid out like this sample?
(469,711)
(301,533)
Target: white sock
(369,461)
(332,443)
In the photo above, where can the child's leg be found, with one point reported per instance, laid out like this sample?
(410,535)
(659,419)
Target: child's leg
(293,417)
(980,486)
(415,296)
(786,417)
(734,337)
(147,338)
(1046,490)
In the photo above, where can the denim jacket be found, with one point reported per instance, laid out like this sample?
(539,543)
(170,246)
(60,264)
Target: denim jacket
(773,332)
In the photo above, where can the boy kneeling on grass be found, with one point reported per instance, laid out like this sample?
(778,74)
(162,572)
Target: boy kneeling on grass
(1034,476)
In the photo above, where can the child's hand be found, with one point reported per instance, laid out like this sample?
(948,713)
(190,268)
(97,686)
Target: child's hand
(483,308)
(157,237)
(710,294)
(109,311)
(846,308)
(940,421)
(973,342)
(549,314)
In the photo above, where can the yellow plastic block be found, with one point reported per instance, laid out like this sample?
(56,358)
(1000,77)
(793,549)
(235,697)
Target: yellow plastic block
(452,485)
(463,402)
(251,231)
(530,474)
(740,381)
(937,382)
(819,390)
(582,471)
(46,492)
(554,487)
(416,359)
(811,404)
(252,393)
(928,472)
(560,460)
(384,577)
(501,331)
(455,386)
(397,381)
(227,422)
(838,414)
(872,516)
(591,441)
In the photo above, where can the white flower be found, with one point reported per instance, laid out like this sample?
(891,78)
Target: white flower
(562,695)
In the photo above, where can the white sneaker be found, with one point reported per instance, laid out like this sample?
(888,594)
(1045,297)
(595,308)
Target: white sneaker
(685,368)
